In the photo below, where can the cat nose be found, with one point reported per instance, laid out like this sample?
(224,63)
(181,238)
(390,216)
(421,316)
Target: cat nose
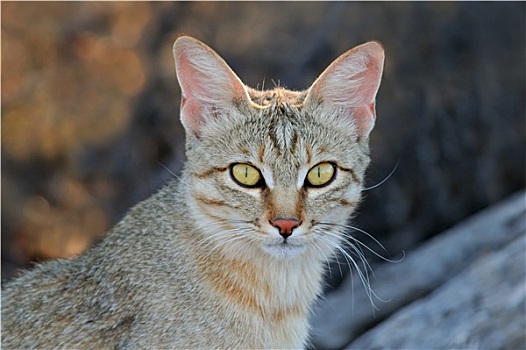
(285,226)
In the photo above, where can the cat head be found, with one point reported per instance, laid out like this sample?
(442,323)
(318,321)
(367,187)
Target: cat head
(275,172)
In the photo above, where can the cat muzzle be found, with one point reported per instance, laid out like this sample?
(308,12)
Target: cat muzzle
(285,226)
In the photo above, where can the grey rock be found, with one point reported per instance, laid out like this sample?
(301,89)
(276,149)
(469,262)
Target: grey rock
(481,308)
(449,269)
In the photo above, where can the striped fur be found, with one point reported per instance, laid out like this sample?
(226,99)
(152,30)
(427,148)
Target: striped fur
(200,264)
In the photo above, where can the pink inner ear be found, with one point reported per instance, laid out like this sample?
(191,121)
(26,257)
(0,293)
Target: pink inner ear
(206,81)
(365,117)
(194,82)
(191,115)
(351,83)
(365,92)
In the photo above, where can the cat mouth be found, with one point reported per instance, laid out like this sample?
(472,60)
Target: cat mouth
(285,249)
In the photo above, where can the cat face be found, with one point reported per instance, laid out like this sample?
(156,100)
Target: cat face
(275,172)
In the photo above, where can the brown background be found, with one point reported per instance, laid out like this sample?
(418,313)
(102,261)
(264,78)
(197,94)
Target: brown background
(90,107)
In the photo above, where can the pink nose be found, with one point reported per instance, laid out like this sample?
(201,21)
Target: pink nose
(285,226)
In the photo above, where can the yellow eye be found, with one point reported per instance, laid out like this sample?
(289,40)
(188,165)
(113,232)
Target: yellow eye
(321,174)
(245,175)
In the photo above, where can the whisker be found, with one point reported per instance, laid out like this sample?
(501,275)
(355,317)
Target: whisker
(332,237)
(324,256)
(384,180)
(221,237)
(215,240)
(211,237)
(357,250)
(172,173)
(367,234)
(167,169)
(348,235)
(227,241)
(323,240)
(364,277)
(378,255)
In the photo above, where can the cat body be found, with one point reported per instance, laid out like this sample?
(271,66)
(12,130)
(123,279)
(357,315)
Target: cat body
(232,254)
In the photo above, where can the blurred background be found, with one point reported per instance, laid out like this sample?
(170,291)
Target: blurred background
(90,107)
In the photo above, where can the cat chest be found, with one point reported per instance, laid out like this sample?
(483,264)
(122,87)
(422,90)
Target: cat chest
(261,319)
(276,330)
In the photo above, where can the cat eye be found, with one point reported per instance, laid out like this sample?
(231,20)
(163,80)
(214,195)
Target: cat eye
(246,175)
(321,175)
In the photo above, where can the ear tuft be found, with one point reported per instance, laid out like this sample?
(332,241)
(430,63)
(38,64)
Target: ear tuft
(207,82)
(351,83)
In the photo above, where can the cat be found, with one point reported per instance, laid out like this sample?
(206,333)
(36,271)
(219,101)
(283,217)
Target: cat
(232,254)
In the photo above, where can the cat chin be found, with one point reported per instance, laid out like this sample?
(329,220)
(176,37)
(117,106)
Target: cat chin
(284,251)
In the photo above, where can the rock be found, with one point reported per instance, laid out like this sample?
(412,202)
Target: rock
(452,267)
(483,307)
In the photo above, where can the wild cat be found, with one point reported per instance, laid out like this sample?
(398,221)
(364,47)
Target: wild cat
(232,254)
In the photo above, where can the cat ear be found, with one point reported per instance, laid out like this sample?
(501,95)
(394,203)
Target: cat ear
(207,83)
(350,84)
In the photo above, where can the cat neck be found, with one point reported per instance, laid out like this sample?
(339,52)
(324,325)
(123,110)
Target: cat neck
(270,287)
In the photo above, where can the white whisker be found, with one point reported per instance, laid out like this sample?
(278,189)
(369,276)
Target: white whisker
(364,277)
(326,258)
(349,236)
(384,180)
(172,173)
(332,234)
